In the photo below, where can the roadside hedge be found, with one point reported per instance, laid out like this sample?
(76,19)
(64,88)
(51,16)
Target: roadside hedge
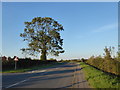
(111,66)
(24,63)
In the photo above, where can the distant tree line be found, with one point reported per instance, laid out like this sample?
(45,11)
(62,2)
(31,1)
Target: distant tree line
(4,58)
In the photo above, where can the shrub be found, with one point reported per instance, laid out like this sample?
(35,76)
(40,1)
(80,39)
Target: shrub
(107,63)
(24,63)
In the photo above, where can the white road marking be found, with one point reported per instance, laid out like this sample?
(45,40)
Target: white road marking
(25,79)
(36,71)
(16,83)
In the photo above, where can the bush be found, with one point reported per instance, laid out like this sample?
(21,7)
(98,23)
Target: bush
(107,63)
(24,63)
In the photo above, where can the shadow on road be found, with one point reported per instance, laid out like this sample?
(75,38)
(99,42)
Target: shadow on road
(41,76)
(61,71)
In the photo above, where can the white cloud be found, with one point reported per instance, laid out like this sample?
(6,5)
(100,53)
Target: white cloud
(106,28)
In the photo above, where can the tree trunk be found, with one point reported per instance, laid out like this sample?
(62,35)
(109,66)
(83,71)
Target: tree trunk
(43,55)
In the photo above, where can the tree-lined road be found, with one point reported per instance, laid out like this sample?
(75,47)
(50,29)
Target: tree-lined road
(68,75)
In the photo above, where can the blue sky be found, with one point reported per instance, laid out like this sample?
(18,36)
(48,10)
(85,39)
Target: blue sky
(88,26)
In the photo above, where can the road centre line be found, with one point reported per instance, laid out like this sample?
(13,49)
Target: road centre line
(36,71)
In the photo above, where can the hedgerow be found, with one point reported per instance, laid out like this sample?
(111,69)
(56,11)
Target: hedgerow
(106,63)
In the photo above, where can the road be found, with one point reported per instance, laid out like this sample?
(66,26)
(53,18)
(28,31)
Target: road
(68,75)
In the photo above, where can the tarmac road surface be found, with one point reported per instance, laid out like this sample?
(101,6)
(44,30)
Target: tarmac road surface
(67,75)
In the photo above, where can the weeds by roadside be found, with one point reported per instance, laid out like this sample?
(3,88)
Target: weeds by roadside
(99,79)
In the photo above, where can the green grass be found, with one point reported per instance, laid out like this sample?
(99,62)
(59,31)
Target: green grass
(99,79)
(31,68)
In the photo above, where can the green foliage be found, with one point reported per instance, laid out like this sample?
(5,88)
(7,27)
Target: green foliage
(107,53)
(107,64)
(42,35)
(99,79)
(118,56)
(24,63)
(52,59)
(31,68)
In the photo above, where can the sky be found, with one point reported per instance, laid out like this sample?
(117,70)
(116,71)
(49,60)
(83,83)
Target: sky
(88,26)
(0,28)
(60,0)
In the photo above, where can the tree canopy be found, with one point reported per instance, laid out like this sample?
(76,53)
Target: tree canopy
(43,36)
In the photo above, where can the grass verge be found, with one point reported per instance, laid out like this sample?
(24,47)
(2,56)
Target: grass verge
(99,79)
(31,68)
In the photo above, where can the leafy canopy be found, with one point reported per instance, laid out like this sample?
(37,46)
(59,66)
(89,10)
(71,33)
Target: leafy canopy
(42,34)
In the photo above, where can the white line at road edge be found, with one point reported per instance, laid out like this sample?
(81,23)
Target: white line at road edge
(17,83)
(25,79)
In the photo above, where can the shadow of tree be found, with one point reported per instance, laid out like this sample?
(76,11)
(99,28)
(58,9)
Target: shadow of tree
(18,77)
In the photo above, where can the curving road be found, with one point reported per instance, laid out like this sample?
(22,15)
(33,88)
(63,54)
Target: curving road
(67,75)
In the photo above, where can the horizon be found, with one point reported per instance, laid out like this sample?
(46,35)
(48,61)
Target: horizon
(88,26)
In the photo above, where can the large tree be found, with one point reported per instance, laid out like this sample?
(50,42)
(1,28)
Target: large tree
(42,35)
